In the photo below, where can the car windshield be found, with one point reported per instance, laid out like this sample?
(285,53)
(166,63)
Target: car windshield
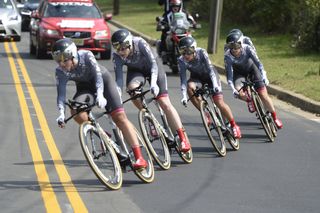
(72,10)
(6,4)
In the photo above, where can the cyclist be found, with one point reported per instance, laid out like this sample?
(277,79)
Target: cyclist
(241,61)
(136,54)
(244,39)
(202,72)
(92,82)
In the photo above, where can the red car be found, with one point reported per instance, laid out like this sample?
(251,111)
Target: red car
(80,20)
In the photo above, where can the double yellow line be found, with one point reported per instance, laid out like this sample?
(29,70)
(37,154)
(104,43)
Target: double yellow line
(47,192)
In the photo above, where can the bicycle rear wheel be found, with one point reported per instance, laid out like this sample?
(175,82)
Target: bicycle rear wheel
(187,157)
(262,115)
(227,131)
(154,139)
(146,174)
(213,128)
(100,155)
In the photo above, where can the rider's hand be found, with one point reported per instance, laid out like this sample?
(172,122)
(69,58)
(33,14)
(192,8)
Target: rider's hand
(184,101)
(101,101)
(60,119)
(119,91)
(154,90)
(264,77)
(266,81)
(235,93)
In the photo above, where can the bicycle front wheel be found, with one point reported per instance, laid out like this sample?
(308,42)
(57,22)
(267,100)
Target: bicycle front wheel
(213,128)
(227,131)
(154,139)
(100,155)
(263,117)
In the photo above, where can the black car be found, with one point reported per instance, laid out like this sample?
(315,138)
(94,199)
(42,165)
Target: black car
(25,11)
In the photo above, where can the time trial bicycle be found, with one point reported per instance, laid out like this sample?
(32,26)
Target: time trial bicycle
(107,157)
(217,128)
(163,138)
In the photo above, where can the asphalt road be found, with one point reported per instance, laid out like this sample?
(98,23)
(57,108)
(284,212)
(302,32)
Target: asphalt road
(43,168)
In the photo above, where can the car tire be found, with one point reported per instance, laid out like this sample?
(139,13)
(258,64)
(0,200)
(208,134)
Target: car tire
(40,53)
(32,49)
(106,54)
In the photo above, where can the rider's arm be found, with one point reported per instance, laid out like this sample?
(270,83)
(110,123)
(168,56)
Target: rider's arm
(229,70)
(212,70)
(61,83)
(183,76)
(118,64)
(94,66)
(146,51)
(255,58)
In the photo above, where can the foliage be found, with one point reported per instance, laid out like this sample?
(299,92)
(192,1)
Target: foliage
(299,18)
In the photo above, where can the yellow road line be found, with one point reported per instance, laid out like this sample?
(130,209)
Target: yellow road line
(48,195)
(71,191)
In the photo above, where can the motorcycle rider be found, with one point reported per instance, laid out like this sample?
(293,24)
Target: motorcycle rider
(166,21)
(93,83)
(136,54)
(202,72)
(241,62)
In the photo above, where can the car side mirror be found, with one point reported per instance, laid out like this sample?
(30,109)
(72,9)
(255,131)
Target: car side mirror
(108,16)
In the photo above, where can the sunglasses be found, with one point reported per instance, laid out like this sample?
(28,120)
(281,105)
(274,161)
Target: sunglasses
(187,50)
(234,45)
(121,47)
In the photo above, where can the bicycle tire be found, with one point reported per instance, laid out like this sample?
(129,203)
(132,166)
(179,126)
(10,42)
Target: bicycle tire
(157,144)
(146,174)
(187,157)
(227,132)
(262,115)
(213,130)
(104,162)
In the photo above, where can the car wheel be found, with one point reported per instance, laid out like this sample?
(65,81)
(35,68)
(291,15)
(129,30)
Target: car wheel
(32,49)
(40,53)
(106,54)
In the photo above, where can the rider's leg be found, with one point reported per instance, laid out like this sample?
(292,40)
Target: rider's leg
(244,95)
(174,120)
(227,113)
(127,129)
(82,95)
(265,98)
(136,102)
(194,100)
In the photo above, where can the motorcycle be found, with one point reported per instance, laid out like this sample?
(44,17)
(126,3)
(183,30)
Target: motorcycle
(180,27)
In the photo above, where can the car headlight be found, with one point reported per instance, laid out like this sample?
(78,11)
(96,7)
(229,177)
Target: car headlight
(50,32)
(101,33)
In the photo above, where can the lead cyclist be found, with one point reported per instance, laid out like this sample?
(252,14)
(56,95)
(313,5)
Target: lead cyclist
(93,83)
